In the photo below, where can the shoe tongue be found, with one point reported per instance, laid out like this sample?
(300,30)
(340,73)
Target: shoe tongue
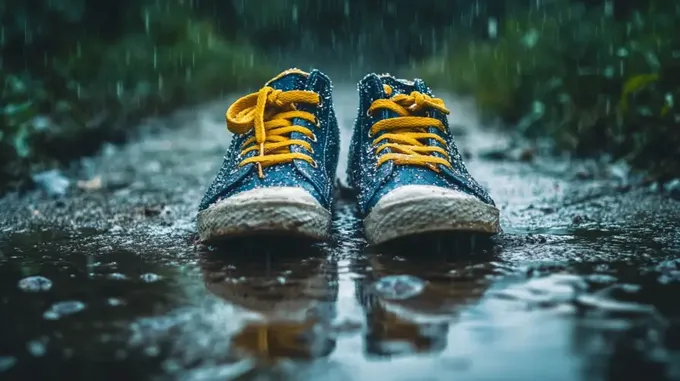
(292,79)
(399,86)
(404,86)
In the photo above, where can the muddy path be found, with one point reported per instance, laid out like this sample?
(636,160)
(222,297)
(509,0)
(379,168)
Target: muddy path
(106,281)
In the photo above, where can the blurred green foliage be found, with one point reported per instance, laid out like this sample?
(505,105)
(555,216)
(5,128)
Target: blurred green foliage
(75,74)
(592,80)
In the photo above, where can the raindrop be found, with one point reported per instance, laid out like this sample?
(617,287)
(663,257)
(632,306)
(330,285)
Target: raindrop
(146,21)
(35,284)
(61,309)
(119,89)
(493,28)
(37,348)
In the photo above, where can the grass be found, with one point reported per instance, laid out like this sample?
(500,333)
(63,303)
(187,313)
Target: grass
(592,84)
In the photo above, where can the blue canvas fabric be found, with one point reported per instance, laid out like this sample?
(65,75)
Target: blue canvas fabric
(318,181)
(371,182)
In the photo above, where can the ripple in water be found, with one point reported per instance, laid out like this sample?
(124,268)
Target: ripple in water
(620,299)
(551,290)
(35,284)
(61,309)
(398,287)
(150,277)
(116,276)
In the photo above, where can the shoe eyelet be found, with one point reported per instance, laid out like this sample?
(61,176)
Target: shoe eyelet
(368,113)
(317,122)
(311,150)
(313,138)
(314,164)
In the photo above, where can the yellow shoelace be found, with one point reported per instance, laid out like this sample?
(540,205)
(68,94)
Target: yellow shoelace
(404,135)
(269,113)
(276,340)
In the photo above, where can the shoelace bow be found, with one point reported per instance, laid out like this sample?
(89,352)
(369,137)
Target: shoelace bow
(269,113)
(406,135)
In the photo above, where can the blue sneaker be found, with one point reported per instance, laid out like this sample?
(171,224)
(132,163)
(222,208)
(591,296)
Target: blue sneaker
(279,172)
(406,169)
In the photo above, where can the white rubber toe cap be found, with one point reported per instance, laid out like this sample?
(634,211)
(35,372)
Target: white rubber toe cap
(287,210)
(415,209)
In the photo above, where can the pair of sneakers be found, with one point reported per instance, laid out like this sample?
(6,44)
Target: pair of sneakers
(279,173)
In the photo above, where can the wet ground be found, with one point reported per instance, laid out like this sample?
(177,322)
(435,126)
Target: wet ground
(107,282)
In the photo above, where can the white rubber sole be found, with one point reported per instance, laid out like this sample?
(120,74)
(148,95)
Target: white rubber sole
(284,210)
(417,209)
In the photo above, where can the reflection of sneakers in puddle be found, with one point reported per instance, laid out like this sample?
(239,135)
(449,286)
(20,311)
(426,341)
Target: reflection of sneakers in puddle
(287,304)
(408,314)
(390,334)
(405,166)
(279,171)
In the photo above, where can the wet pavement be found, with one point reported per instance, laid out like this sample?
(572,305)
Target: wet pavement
(108,283)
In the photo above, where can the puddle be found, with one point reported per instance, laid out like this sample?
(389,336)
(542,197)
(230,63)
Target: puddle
(281,309)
